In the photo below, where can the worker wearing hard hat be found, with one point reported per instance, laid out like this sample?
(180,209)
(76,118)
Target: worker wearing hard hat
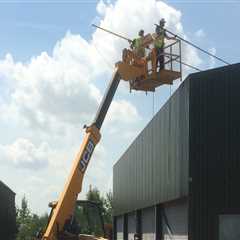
(159,36)
(139,51)
(137,45)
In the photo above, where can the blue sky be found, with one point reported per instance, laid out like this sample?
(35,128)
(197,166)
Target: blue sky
(52,78)
(218,19)
(30,28)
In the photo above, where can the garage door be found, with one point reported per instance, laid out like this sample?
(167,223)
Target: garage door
(175,221)
(229,227)
(148,223)
(119,225)
(131,225)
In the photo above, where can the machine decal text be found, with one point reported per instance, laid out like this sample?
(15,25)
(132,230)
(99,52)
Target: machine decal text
(86,156)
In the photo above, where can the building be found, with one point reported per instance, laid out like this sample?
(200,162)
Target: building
(8,227)
(180,177)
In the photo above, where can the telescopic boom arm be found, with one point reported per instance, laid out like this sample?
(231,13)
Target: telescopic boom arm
(64,208)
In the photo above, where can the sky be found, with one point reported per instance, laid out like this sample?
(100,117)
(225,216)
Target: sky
(54,68)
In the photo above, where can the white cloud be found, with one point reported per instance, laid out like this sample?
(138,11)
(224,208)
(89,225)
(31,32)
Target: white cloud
(122,111)
(24,154)
(101,8)
(50,89)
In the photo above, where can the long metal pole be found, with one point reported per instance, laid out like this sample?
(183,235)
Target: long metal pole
(193,45)
(180,54)
(188,65)
(113,33)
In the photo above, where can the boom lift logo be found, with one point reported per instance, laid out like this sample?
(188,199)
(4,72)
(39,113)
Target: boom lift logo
(86,156)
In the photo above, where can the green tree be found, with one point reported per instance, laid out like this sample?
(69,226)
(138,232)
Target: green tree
(105,203)
(93,194)
(23,221)
(28,224)
(108,208)
(37,224)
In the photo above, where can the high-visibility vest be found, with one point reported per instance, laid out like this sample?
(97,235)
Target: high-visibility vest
(138,48)
(159,40)
(137,42)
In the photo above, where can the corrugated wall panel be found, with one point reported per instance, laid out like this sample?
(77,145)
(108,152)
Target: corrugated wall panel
(154,168)
(214,149)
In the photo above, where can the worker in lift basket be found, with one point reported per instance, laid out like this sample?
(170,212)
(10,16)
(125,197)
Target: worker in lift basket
(159,37)
(139,51)
(137,45)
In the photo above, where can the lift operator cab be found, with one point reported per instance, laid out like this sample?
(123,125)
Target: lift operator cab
(142,75)
(86,222)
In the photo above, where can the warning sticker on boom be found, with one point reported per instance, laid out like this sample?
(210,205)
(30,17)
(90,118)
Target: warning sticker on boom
(86,156)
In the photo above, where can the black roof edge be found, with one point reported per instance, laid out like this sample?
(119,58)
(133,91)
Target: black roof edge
(8,188)
(220,68)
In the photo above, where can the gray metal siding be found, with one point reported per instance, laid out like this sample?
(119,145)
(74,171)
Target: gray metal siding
(154,168)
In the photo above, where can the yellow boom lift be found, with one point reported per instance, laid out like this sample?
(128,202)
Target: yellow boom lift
(143,75)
